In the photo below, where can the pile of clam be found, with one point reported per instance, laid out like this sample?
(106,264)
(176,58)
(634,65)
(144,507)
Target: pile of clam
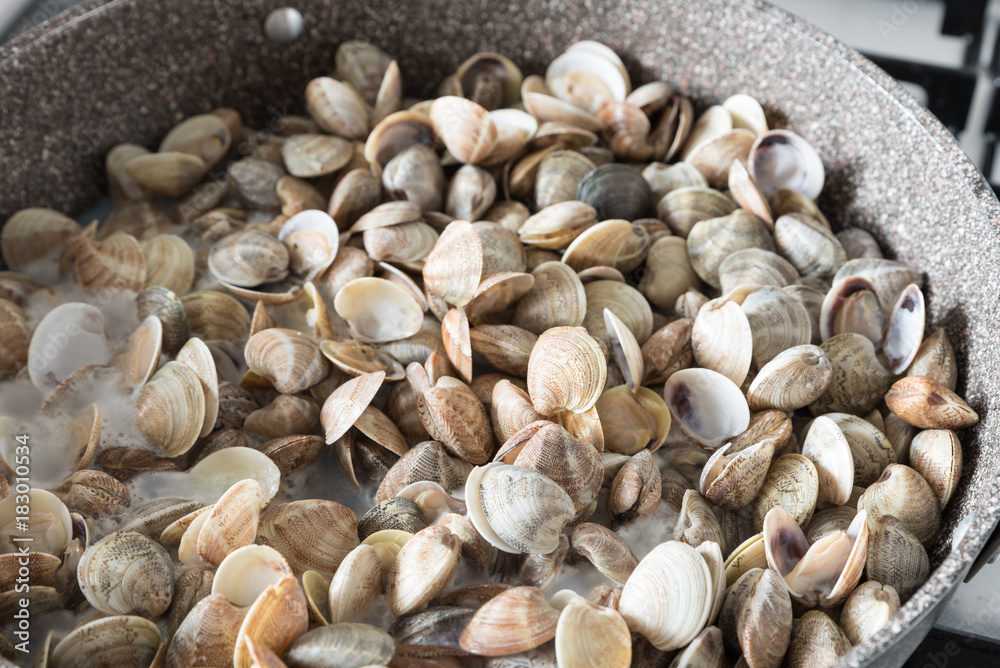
(604,387)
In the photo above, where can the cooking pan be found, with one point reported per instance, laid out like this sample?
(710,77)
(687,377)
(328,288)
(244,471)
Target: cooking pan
(112,71)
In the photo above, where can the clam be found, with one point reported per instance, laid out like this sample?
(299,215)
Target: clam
(904,494)
(557,225)
(705,651)
(378,310)
(311,534)
(556,299)
(816,641)
(502,250)
(248,259)
(169,263)
(869,607)
(415,174)
(706,406)
(936,454)
(613,243)
(732,481)
(792,484)
(246,572)
(625,302)
(905,329)
(423,568)
(498,292)
(454,267)
(468,437)
(256,181)
(858,382)
(828,449)
(711,241)
(517,510)
(714,155)
(337,108)
(588,635)
(207,634)
(755,266)
(634,420)
(689,303)
(851,306)
(515,128)
(465,127)
(935,358)
(312,243)
(120,640)
(756,618)
(506,347)
(674,572)
(363,66)
(356,585)
(667,350)
(196,355)
(510,410)
(887,277)
(206,136)
(926,403)
(297,195)
(515,620)
(287,358)
(172,173)
(721,339)
(870,448)
(115,262)
(792,379)
(778,321)
(94,493)
(896,557)
(211,476)
(170,409)
(394,514)
(809,246)
(287,415)
(48,525)
(16,337)
(746,556)
(566,371)
(152,518)
(123,188)
(668,272)
(344,644)
(825,572)
(490,79)
(225,527)
(541,570)
(127,573)
(782,159)
(696,522)
(552,451)
(427,461)
(606,550)
(635,491)
(663,179)
(309,155)
(214,315)
(275,619)
(471,192)
(616,191)
(713,122)
(683,208)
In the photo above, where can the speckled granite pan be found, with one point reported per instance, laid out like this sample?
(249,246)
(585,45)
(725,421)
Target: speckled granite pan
(126,70)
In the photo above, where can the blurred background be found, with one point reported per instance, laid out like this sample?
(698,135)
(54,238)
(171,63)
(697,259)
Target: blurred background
(948,55)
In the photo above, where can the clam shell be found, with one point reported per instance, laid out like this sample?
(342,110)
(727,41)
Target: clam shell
(287,415)
(171,173)
(635,491)
(896,558)
(170,409)
(246,572)
(289,359)
(707,406)
(711,241)
(606,550)
(248,259)
(778,321)
(454,267)
(783,159)
(465,127)
(675,572)
(454,416)
(756,617)
(126,572)
(827,447)
(589,635)
(516,509)
(904,494)
(859,381)
(566,371)
(312,534)
(792,379)
(936,454)
(345,644)
(337,108)
(722,340)
(868,609)
(816,640)
(31,234)
(613,243)
(207,634)
(685,207)
(696,522)
(377,310)
(556,299)
(115,262)
(732,481)
(121,640)
(926,403)
(935,358)
(169,263)
(423,568)
(667,350)
(214,315)
(634,420)
(668,273)
(278,616)
(809,246)
(515,620)
(356,586)
(206,136)
(871,450)
(792,483)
